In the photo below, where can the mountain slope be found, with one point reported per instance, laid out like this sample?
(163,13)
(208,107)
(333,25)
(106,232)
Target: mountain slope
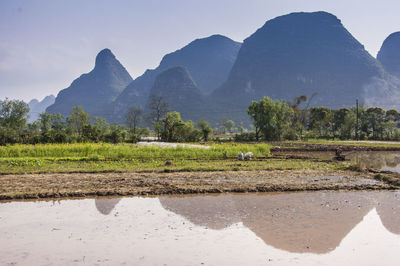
(96,89)
(208,60)
(304,54)
(389,54)
(180,92)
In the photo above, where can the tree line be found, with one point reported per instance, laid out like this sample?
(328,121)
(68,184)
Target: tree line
(80,127)
(279,120)
(271,120)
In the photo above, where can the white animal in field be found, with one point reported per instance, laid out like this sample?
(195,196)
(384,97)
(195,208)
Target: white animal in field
(240,156)
(247,156)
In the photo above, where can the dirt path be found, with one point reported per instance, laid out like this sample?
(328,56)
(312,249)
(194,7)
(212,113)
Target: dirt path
(32,186)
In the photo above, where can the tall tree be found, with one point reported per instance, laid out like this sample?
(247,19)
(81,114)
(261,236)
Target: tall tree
(158,109)
(228,125)
(320,120)
(339,120)
(13,116)
(271,118)
(205,128)
(133,118)
(375,117)
(77,120)
(170,124)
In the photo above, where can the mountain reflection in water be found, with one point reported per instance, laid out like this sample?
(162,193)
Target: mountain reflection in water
(295,222)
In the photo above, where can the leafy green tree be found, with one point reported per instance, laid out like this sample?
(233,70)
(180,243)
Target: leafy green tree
(271,118)
(170,124)
(374,118)
(52,128)
(320,120)
(31,133)
(117,134)
(339,120)
(348,128)
(187,133)
(228,125)
(13,116)
(393,115)
(102,127)
(77,120)
(205,129)
(391,123)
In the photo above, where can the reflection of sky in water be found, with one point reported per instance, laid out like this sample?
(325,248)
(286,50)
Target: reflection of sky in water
(392,169)
(342,228)
(387,161)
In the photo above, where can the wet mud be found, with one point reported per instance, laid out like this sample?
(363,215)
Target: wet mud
(33,186)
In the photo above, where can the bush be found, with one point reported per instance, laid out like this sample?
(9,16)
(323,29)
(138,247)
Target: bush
(291,134)
(246,136)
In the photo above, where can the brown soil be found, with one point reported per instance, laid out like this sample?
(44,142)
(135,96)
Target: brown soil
(32,186)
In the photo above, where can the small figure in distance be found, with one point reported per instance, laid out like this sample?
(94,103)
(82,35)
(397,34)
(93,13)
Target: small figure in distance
(240,156)
(339,156)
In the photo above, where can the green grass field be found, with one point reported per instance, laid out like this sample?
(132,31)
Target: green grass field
(89,157)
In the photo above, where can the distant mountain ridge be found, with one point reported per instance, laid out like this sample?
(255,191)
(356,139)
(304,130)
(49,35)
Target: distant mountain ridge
(95,90)
(36,107)
(208,60)
(297,54)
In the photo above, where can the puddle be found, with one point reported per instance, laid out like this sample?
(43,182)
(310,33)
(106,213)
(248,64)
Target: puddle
(310,228)
(386,161)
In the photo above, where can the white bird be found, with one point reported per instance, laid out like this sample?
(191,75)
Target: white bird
(247,156)
(240,156)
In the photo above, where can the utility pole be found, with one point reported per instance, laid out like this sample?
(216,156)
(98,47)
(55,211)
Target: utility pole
(357,119)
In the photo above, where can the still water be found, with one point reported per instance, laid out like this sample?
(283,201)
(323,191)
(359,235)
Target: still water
(385,161)
(313,228)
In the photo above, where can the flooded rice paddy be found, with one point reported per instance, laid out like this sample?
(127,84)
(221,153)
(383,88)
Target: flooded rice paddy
(307,228)
(379,160)
(385,161)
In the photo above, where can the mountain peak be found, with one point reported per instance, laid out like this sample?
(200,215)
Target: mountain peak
(94,90)
(389,54)
(301,54)
(104,56)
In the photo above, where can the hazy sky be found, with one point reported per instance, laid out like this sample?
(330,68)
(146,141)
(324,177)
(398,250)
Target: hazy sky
(46,44)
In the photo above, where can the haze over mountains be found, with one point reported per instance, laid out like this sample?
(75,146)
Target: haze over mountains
(292,55)
(36,107)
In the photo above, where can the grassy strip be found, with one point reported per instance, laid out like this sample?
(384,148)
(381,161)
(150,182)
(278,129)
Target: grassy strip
(104,151)
(59,166)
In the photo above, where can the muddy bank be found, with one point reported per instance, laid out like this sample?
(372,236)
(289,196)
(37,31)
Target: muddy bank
(33,186)
(301,147)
